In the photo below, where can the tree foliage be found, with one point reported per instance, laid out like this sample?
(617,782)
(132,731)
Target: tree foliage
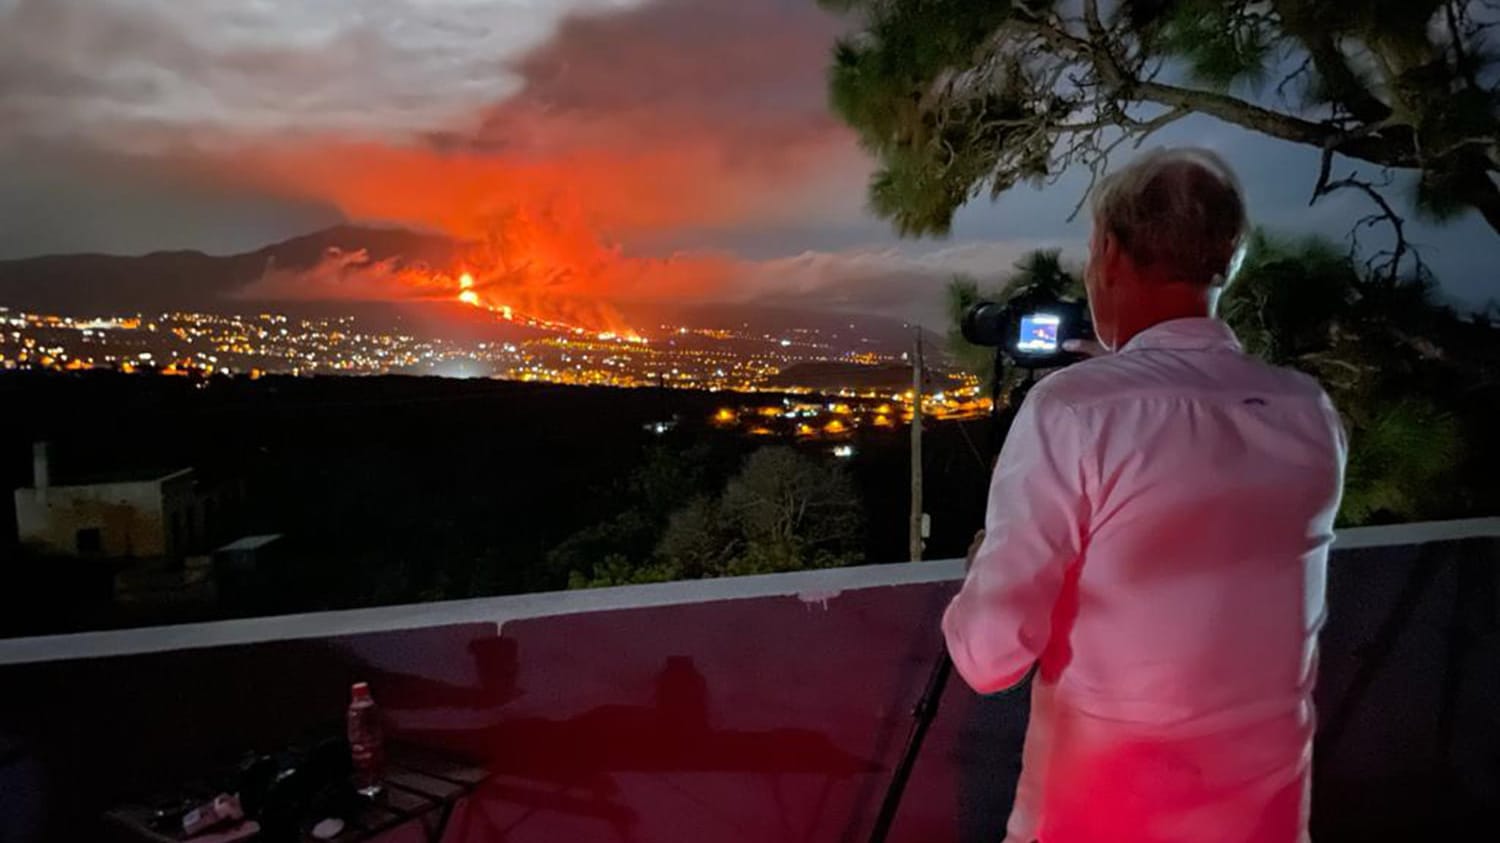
(667,480)
(961,97)
(1375,343)
(783,511)
(790,511)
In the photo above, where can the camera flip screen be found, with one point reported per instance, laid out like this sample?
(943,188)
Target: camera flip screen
(1038,334)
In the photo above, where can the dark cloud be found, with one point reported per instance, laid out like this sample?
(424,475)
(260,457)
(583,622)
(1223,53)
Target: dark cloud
(732,68)
(904,282)
(58,200)
(148,71)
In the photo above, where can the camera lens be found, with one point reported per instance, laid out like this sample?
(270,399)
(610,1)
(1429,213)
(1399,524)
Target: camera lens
(985,323)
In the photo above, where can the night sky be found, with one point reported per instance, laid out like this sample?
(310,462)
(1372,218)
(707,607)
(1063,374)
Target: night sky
(674,149)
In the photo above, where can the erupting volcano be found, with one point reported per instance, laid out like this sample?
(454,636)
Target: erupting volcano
(549,266)
(544,267)
(546,270)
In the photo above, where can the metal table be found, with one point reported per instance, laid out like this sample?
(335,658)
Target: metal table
(420,786)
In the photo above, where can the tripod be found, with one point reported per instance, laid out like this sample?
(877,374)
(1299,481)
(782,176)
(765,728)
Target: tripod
(926,709)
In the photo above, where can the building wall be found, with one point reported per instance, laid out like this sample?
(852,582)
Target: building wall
(129,517)
(182,516)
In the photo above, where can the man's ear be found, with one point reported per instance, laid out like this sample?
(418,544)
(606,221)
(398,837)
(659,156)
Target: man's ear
(1114,259)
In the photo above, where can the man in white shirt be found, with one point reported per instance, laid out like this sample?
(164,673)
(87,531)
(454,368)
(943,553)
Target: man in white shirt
(1156,545)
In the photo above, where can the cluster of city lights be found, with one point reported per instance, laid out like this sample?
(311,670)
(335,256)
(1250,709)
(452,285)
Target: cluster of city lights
(682,357)
(838,420)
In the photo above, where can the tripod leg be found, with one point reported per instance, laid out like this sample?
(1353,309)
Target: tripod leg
(924,712)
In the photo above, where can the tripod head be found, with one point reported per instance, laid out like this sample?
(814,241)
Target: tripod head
(1003,412)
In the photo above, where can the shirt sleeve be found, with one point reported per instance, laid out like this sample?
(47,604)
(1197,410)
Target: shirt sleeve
(998,625)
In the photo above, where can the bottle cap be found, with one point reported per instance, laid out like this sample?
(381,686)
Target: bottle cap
(361,690)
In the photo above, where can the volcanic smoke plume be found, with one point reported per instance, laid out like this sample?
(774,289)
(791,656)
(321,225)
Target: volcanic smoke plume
(625,128)
(541,263)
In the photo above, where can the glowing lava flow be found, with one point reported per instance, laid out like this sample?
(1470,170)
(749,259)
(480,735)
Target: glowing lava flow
(469,296)
(466,290)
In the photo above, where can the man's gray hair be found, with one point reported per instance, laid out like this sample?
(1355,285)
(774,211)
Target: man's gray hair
(1177,212)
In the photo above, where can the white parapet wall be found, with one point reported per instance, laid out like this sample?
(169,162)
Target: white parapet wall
(807,585)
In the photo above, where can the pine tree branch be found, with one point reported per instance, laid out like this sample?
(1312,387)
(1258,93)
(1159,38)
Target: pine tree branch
(1393,152)
(1398,252)
(1303,69)
(1374,148)
(1461,59)
(1328,59)
(1098,50)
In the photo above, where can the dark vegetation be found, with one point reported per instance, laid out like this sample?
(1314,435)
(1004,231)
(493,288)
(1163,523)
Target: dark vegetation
(393,490)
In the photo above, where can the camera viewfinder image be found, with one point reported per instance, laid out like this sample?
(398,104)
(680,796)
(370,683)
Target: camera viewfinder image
(1038,333)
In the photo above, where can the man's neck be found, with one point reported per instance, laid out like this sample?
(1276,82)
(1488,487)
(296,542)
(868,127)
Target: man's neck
(1165,303)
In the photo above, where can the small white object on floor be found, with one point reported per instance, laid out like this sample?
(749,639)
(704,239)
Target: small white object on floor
(328,829)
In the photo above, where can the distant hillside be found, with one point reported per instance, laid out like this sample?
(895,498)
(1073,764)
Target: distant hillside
(91,283)
(884,334)
(890,377)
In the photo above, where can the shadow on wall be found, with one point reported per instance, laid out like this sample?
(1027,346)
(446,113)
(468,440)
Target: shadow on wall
(84,735)
(569,766)
(597,726)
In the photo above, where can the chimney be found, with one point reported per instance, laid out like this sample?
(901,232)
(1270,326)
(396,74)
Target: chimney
(41,469)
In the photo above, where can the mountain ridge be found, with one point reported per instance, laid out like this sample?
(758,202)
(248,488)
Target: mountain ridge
(100,284)
(97,282)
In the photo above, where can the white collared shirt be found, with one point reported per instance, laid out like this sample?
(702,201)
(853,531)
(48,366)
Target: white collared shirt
(1156,540)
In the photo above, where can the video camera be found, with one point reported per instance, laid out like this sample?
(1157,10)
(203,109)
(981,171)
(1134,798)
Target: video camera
(1029,331)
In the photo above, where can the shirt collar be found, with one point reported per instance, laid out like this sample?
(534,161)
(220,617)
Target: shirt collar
(1193,333)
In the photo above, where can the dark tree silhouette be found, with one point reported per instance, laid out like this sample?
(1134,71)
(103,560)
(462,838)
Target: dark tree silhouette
(961,97)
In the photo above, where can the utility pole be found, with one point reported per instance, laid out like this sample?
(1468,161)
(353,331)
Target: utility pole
(916,450)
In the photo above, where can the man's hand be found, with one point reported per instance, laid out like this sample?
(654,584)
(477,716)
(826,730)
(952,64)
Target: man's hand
(973,550)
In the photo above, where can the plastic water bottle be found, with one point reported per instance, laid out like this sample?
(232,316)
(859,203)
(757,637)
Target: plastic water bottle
(366,741)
